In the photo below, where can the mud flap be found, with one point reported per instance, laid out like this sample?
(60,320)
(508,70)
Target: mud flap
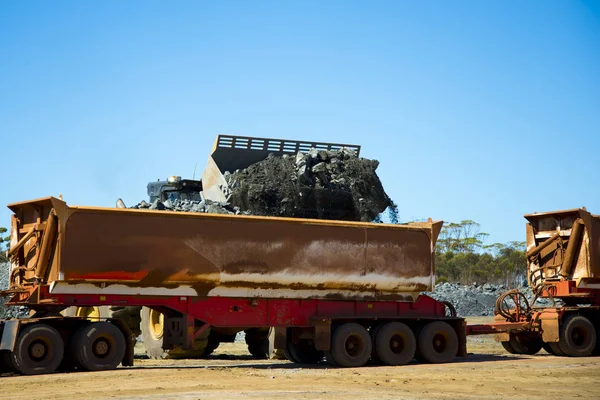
(280,338)
(322,333)
(550,326)
(9,335)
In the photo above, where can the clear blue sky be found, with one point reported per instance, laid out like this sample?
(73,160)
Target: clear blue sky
(480,110)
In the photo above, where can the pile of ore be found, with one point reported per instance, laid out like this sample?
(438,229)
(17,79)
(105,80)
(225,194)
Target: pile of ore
(204,206)
(320,184)
(477,300)
(8,312)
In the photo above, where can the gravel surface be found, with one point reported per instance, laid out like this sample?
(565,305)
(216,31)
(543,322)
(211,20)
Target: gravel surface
(8,312)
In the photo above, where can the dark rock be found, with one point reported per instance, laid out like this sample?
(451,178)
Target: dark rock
(157,205)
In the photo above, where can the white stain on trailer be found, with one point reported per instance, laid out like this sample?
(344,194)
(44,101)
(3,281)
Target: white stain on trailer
(371,282)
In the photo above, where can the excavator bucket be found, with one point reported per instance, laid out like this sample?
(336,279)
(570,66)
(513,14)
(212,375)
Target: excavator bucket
(231,153)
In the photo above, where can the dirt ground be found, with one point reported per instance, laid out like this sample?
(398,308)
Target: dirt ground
(488,372)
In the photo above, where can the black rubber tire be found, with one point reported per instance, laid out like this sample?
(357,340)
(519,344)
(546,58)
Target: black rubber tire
(153,344)
(577,336)
(303,352)
(289,356)
(211,346)
(351,345)
(373,333)
(395,344)
(546,347)
(438,343)
(258,343)
(523,345)
(39,350)
(98,346)
(131,315)
(508,347)
(6,364)
(555,349)
(329,359)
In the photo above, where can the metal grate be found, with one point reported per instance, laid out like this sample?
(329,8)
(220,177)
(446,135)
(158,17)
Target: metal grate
(279,145)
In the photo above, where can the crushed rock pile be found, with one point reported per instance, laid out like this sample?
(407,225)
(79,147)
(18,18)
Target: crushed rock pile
(9,312)
(477,300)
(204,206)
(321,184)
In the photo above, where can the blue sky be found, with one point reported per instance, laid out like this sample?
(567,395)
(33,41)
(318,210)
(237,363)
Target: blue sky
(482,110)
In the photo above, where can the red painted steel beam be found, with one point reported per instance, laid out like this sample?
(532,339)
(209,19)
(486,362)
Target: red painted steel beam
(244,312)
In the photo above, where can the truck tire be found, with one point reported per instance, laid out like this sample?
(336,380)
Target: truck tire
(130,315)
(98,346)
(211,345)
(373,333)
(261,344)
(555,349)
(508,347)
(350,345)
(577,336)
(523,345)
(303,352)
(6,364)
(39,350)
(258,343)
(152,328)
(395,344)
(437,342)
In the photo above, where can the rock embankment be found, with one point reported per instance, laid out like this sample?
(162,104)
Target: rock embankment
(477,300)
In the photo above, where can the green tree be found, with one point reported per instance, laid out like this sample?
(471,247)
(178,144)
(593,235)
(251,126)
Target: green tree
(462,257)
(462,237)
(4,244)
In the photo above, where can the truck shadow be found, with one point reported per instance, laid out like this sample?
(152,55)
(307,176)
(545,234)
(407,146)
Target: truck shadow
(284,364)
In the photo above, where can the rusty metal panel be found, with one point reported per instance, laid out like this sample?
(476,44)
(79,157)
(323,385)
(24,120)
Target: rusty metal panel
(550,325)
(120,251)
(558,249)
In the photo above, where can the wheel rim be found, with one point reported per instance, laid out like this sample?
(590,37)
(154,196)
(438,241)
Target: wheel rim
(579,336)
(354,345)
(38,350)
(101,348)
(88,312)
(439,342)
(397,343)
(156,322)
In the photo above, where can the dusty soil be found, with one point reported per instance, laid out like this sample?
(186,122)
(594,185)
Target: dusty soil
(488,373)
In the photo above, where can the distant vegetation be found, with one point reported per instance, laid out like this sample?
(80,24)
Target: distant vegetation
(462,257)
(4,244)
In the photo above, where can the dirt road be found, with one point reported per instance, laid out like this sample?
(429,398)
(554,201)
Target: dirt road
(489,373)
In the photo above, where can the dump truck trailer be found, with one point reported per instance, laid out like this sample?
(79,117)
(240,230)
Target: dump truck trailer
(346,291)
(563,267)
(229,153)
